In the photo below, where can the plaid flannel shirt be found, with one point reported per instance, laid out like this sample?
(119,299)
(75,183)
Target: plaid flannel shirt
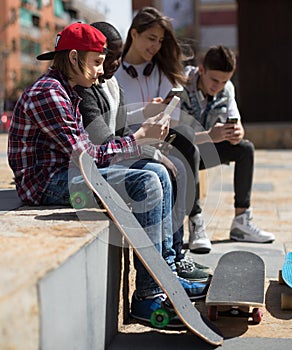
(46,130)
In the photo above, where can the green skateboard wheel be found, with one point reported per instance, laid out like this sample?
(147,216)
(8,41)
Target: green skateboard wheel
(79,199)
(159,318)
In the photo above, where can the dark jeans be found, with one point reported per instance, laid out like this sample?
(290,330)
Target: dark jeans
(243,156)
(204,156)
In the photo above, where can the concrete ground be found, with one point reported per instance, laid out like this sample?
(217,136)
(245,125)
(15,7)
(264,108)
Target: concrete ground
(272,202)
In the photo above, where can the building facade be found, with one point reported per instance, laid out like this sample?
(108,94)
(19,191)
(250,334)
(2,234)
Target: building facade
(27,28)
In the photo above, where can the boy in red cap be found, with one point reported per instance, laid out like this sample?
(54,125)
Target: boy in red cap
(47,132)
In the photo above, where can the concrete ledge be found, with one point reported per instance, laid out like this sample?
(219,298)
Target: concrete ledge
(9,200)
(59,279)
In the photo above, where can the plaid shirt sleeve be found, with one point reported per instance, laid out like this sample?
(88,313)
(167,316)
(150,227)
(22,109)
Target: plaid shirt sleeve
(46,131)
(60,120)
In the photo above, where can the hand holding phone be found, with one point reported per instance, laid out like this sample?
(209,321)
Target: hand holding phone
(175,91)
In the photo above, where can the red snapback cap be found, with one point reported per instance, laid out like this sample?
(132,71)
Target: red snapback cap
(77,36)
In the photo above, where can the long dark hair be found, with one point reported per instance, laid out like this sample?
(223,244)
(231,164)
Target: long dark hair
(169,57)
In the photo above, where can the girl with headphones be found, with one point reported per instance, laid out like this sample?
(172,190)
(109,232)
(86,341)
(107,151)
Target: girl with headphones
(151,67)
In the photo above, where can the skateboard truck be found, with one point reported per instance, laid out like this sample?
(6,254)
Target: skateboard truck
(235,311)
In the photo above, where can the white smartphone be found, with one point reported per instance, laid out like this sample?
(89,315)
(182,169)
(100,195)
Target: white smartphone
(172,104)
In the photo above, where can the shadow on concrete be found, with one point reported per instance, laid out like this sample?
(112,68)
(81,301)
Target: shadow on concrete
(229,327)
(273,300)
(156,340)
(83,215)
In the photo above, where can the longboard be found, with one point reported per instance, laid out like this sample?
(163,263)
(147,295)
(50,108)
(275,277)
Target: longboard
(285,276)
(238,283)
(133,232)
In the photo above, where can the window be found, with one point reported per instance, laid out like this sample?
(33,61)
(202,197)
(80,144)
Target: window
(28,19)
(30,47)
(58,8)
(25,18)
(13,45)
(35,20)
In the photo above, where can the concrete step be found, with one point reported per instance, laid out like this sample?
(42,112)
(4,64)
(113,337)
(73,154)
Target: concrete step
(59,278)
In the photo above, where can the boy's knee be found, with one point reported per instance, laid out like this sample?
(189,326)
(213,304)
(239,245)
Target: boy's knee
(247,146)
(153,183)
(185,131)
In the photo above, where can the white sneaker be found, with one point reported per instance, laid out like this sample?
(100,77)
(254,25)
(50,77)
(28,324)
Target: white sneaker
(244,230)
(198,239)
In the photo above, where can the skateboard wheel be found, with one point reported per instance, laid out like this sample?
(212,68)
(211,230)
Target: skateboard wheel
(78,200)
(213,313)
(257,315)
(159,318)
(286,301)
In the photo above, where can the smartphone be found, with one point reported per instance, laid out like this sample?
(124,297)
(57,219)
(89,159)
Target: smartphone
(175,91)
(232,120)
(171,105)
(168,140)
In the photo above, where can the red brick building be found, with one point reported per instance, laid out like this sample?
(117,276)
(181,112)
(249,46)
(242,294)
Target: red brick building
(27,28)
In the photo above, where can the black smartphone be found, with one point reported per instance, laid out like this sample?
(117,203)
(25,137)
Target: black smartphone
(175,91)
(232,120)
(168,140)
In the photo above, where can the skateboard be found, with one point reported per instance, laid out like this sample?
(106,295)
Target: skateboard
(137,238)
(285,277)
(237,284)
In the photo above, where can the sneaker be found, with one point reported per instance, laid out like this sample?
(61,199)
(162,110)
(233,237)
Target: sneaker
(244,230)
(198,240)
(143,309)
(186,268)
(204,268)
(194,290)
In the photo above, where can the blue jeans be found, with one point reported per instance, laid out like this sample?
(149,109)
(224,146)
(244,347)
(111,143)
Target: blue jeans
(147,187)
(168,214)
(178,206)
